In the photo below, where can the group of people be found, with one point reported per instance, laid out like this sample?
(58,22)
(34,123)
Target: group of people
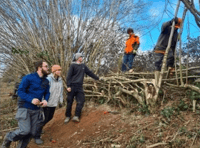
(132,44)
(40,93)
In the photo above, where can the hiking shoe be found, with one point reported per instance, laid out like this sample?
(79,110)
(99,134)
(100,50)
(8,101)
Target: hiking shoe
(75,119)
(66,120)
(6,143)
(39,141)
(171,71)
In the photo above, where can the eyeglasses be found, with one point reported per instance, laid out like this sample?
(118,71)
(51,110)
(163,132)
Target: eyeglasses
(46,66)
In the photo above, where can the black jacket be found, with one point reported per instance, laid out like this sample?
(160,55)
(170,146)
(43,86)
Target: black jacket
(164,36)
(76,74)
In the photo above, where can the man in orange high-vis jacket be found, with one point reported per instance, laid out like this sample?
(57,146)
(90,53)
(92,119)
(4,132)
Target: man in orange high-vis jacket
(132,44)
(162,44)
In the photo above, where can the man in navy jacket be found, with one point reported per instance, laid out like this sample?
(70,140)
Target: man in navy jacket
(32,89)
(75,78)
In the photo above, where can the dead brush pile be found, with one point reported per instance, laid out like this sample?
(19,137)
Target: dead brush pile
(173,122)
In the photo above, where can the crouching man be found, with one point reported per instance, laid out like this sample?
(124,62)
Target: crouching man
(32,89)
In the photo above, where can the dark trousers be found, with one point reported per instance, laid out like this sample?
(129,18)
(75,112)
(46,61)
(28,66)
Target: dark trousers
(48,114)
(159,60)
(127,61)
(76,91)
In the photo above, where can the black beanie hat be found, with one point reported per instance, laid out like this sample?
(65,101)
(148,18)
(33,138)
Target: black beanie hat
(130,30)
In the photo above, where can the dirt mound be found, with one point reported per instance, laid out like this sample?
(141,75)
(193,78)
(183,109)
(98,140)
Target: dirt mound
(94,121)
(124,130)
(173,125)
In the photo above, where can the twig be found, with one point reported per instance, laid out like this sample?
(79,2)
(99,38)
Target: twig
(9,129)
(172,79)
(133,93)
(109,94)
(175,135)
(105,139)
(73,134)
(192,87)
(51,146)
(79,142)
(119,83)
(157,144)
(139,87)
(89,91)
(187,122)
(193,139)
(143,128)
(163,99)
(181,119)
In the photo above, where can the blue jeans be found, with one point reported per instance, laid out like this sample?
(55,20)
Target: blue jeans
(27,121)
(159,60)
(127,61)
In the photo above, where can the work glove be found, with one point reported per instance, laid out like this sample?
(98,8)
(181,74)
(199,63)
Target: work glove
(175,19)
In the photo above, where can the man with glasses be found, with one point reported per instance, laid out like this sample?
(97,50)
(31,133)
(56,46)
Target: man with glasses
(32,89)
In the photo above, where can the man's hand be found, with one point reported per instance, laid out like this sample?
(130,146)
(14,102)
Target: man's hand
(35,101)
(69,89)
(101,79)
(43,103)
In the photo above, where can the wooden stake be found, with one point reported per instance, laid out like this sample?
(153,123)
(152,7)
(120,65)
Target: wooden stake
(167,50)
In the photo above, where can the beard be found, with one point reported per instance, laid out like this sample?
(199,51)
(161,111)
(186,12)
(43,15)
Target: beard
(45,73)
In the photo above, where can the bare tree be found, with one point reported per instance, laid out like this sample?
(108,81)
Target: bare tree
(53,30)
(191,7)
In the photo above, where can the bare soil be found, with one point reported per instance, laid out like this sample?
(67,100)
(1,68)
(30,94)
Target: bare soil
(98,129)
(127,129)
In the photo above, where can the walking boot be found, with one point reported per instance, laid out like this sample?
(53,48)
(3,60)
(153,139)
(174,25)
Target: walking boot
(66,120)
(75,119)
(6,143)
(39,141)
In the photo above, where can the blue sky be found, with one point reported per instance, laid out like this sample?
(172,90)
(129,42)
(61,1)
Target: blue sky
(148,40)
